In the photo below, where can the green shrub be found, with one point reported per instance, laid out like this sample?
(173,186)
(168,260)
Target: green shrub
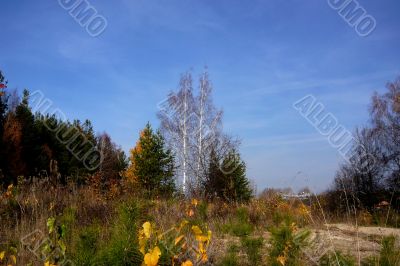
(233,248)
(68,219)
(55,248)
(241,229)
(388,256)
(252,247)
(280,217)
(236,228)
(119,252)
(122,248)
(202,209)
(87,245)
(231,258)
(337,259)
(239,225)
(287,243)
(390,252)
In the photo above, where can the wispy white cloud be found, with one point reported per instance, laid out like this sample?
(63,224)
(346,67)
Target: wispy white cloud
(351,82)
(173,15)
(282,140)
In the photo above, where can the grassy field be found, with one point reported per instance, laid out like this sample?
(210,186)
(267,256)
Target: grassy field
(69,225)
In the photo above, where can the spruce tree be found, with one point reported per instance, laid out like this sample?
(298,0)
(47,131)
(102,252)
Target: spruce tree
(152,165)
(237,186)
(226,178)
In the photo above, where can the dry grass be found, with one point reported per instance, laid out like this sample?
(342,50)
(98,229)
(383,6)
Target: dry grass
(88,213)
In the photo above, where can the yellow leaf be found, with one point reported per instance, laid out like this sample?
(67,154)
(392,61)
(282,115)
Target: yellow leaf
(195,202)
(204,257)
(157,251)
(151,258)
(187,263)
(201,238)
(203,253)
(147,229)
(183,224)
(178,239)
(141,234)
(201,248)
(196,230)
(14,259)
(281,260)
(2,254)
(184,246)
(293,227)
(142,250)
(142,245)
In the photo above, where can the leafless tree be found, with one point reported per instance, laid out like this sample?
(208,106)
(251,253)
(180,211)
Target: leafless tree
(192,127)
(176,124)
(361,177)
(113,158)
(385,112)
(373,170)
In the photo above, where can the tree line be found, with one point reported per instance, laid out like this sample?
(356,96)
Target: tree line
(189,154)
(31,148)
(372,174)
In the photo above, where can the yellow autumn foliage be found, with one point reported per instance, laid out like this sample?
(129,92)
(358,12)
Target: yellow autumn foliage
(130,172)
(151,258)
(187,241)
(187,263)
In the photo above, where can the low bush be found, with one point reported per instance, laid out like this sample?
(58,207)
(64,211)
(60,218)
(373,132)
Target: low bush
(389,254)
(252,248)
(287,243)
(87,245)
(337,259)
(239,225)
(230,258)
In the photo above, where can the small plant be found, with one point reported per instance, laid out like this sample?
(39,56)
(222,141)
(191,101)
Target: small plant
(8,198)
(87,245)
(181,244)
(122,247)
(238,225)
(202,209)
(231,258)
(388,256)
(10,193)
(287,242)
(55,247)
(390,252)
(337,259)
(9,257)
(252,247)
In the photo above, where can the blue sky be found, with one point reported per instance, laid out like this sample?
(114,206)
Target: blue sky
(262,55)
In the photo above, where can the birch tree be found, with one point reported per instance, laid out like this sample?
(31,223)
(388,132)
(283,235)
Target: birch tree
(175,116)
(208,128)
(192,127)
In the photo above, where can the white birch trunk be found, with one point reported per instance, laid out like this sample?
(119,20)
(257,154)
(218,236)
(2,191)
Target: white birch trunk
(184,140)
(200,139)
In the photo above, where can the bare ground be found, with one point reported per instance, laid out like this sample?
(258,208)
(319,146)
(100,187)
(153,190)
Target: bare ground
(361,242)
